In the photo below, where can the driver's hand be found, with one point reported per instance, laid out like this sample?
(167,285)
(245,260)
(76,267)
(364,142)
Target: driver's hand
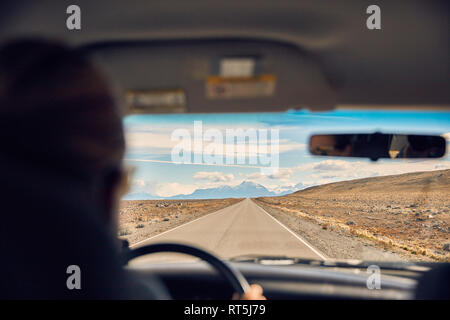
(255,293)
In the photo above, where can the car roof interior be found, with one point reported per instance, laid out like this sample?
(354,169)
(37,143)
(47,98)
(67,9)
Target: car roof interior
(320,55)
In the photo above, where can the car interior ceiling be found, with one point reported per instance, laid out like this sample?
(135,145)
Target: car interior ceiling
(360,68)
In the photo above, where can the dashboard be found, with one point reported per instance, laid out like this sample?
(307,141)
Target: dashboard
(197,280)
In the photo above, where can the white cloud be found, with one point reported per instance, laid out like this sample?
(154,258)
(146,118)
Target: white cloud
(338,170)
(278,174)
(281,174)
(281,188)
(174,188)
(143,138)
(143,185)
(138,183)
(254,176)
(332,165)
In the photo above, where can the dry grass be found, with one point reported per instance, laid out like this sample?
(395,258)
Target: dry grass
(409,211)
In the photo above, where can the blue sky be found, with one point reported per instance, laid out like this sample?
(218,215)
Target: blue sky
(150,144)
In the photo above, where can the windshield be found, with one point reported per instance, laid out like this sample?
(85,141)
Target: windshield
(246,184)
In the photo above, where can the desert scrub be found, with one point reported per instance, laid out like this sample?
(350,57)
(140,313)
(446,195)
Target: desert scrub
(124,232)
(139,226)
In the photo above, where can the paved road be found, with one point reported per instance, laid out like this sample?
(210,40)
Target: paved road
(242,228)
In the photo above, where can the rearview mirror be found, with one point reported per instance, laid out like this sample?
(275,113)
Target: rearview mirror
(378,145)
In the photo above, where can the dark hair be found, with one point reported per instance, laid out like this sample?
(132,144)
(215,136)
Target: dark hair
(57,110)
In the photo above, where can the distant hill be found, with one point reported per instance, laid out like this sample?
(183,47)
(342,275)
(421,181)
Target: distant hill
(436,181)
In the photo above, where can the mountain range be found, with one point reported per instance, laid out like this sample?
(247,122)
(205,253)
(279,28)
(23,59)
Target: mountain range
(246,189)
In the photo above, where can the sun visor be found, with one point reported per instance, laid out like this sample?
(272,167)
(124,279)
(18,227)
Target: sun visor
(205,76)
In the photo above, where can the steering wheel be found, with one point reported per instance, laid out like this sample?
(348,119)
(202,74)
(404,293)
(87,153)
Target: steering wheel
(232,275)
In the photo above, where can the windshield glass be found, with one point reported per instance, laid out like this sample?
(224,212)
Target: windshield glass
(246,184)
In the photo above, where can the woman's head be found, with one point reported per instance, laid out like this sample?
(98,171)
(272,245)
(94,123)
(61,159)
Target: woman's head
(60,115)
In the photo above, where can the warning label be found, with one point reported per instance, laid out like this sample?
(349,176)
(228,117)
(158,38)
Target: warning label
(240,87)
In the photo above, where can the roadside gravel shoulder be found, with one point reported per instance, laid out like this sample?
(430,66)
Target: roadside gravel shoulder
(336,244)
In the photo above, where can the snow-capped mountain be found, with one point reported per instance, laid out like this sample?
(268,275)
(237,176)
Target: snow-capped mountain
(246,189)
